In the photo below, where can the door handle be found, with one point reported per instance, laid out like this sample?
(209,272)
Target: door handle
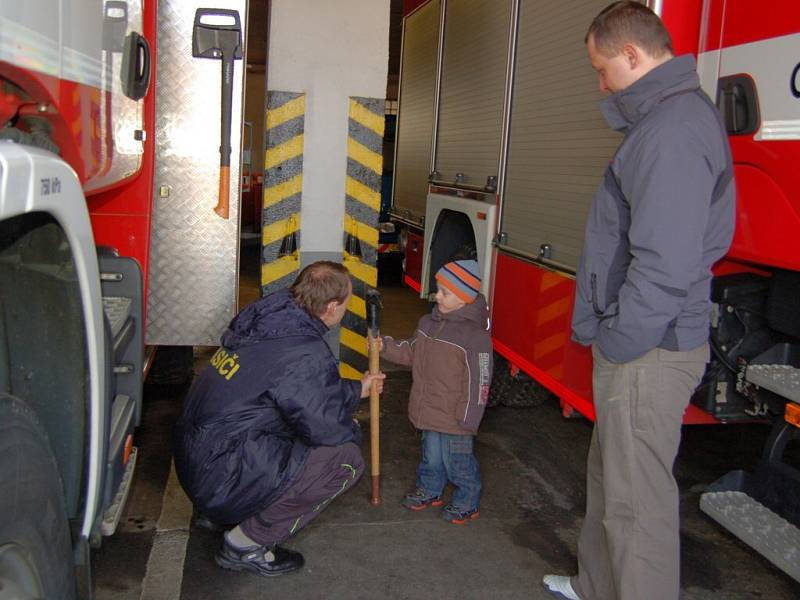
(737,101)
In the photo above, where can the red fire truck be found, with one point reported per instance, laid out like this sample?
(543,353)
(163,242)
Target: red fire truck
(500,146)
(109,240)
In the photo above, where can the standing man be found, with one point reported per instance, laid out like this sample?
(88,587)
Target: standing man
(662,217)
(267,437)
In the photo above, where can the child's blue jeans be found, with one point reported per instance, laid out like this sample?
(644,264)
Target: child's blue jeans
(447,457)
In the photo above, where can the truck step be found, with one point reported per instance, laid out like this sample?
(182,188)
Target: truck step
(783,380)
(756,525)
(114,511)
(117,311)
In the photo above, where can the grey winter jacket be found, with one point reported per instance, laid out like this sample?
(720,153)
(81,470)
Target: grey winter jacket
(450,356)
(663,215)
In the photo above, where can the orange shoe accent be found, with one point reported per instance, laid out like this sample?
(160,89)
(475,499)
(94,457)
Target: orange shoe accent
(472,517)
(424,506)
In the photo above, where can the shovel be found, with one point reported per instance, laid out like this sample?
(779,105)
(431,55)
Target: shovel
(217,34)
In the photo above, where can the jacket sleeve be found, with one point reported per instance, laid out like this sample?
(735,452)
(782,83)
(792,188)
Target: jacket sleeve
(400,352)
(478,378)
(669,187)
(316,402)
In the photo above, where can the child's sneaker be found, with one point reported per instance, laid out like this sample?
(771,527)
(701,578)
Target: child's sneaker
(419,500)
(457,516)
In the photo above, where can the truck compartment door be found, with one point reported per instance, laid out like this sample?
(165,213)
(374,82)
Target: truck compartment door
(559,142)
(417,111)
(473,81)
(193,254)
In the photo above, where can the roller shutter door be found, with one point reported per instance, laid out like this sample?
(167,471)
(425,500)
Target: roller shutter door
(473,84)
(559,142)
(416,111)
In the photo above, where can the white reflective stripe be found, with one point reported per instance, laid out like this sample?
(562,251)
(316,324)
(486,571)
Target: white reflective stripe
(84,69)
(24,47)
(27,48)
(771,64)
(779,130)
(708,71)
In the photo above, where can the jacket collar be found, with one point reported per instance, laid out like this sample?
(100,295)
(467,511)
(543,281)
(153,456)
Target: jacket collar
(477,311)
(276,315)
(627,107)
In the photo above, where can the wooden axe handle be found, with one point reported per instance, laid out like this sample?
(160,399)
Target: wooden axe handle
(224,203)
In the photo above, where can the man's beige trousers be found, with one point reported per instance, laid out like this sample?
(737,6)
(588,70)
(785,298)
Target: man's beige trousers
(629,546)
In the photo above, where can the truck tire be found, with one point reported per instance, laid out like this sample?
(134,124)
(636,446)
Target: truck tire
(501,379)
(525,392)
(516,391)
(173,365)
(35,544)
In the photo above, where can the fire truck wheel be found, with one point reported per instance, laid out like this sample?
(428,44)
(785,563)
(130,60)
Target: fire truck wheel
(173,365)
(516,391)
(35,544)
(526,392)
(501,379)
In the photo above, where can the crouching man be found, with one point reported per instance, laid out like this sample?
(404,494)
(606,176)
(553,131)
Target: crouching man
(267,437)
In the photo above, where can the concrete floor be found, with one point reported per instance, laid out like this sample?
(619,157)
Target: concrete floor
(533,468)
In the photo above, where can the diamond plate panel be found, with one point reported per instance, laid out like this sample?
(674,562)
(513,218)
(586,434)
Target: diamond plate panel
(193,252)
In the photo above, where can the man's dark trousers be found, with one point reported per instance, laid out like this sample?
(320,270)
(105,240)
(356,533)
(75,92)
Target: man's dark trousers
(328,472)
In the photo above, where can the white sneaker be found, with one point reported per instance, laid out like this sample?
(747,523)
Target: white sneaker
(560,585)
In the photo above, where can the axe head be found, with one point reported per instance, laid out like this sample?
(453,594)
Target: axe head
(217,33)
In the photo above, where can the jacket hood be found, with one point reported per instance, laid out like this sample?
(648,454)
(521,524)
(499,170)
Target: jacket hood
(629,106)
(274,316)
(476,311)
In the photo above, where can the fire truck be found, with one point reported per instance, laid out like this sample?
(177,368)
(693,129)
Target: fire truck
(118,231)
(499,148)
(120,167)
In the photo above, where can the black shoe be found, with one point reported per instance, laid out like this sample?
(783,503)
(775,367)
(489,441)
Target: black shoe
(202,521)
(267,561)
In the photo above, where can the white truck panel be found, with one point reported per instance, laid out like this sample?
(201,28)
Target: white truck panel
(23,173)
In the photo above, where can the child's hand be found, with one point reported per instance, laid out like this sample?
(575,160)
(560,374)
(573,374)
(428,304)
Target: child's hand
(368,380)
(378,343)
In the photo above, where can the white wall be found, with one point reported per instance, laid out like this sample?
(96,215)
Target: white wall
(331,50)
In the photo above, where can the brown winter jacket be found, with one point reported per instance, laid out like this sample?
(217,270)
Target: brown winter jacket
(450,356)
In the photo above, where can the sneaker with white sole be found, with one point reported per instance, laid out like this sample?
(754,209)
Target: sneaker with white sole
(560,586)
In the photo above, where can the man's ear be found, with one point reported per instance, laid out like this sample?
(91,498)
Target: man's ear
(330,307)
(632,55)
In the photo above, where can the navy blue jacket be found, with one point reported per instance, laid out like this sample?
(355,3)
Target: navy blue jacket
(662,217)
(271,392)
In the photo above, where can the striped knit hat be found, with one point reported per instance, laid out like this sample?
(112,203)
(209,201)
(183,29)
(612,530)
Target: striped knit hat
(461,277)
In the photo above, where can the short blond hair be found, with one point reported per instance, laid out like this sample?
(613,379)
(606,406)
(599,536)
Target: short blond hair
(626,22)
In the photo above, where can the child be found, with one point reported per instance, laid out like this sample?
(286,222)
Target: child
(450,356)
